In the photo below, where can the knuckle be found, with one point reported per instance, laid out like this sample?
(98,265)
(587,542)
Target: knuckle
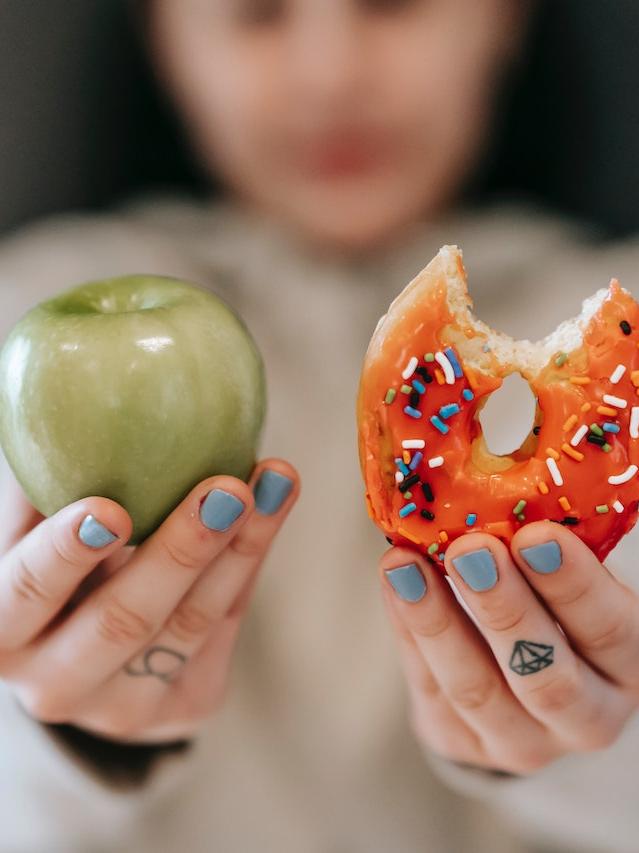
(600,737)
(613,634)
(43,705)
(188,622)
(26,584)
(438,623)
(557,694)
(502,621)
(182,557)
(245,546)
(120,625)
(473,695)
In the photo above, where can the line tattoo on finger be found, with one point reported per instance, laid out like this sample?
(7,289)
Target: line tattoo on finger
(158,661)
(529,657)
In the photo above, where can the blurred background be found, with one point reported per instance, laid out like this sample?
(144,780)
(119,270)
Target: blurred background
(83,124)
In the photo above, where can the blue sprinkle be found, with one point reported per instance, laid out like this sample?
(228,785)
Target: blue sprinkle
(471,518)
(449,410)
(440,425)
(414,462)
(450,355)
(417,385)
(407,509)
(608,427)
(441,555)
(402,466)
(414,413)
(467,394)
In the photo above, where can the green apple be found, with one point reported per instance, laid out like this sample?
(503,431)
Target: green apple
(132,388)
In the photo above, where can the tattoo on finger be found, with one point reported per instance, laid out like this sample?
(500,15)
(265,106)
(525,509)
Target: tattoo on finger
(528,657)
(158,661)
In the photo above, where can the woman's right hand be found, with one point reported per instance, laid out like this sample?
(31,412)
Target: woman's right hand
(130,643)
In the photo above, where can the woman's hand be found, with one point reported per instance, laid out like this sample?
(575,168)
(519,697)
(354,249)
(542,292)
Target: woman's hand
(557,668)
(133,643)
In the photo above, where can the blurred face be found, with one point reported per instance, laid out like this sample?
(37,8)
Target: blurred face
(345,119)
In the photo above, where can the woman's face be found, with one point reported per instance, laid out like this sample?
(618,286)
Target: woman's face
(345,119)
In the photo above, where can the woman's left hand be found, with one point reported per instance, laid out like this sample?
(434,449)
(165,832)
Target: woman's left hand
(557,668)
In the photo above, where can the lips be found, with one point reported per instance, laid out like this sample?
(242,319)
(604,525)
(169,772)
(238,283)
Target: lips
(346,154)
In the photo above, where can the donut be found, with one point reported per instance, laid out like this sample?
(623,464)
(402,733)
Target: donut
(430,367)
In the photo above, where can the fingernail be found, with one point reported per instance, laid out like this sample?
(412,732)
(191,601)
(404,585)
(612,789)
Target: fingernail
(478,569)
(94,534)
(220,509)
(270,491)
(408,582)
(544,558)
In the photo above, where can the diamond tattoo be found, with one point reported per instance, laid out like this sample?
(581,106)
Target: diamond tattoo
(529,657)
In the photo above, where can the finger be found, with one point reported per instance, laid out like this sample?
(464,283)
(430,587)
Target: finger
(17,514)
(553,684)
(42,570)
(463,665)
(599,615)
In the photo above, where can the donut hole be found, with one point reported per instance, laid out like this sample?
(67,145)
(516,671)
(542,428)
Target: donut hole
(508,417)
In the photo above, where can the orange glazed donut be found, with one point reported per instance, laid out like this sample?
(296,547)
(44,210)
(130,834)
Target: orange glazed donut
(430,367)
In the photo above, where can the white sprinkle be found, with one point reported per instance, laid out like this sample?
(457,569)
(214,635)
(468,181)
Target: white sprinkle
(398,476)
(579,435)
(446,366)
(555,473)
(617,402)
(617,373)
(413,443)
(436,462)
(408,371)
(628,474)
(634,422)
(618,506)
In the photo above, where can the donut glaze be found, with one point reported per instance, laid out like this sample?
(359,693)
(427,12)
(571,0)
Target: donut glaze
(578,466)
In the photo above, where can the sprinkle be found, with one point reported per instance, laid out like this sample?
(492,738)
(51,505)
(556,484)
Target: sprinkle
(634,422)
(439,376)
(436,462)
(428,492)
(596,439)
(403,532)
(543,488)
(602,509)
(443,536)
(389,540)
(561,359)
(521,517)
(390,396)
(467,394)
(414,413)
(555,473)
(401,465)
(408,371)
(570,451)
(606,410)
(580,380)
(427,514)
(449,410)
(406,457)
(417,385)
(486,348)
(564,503)
(407,496)
(579,434)
(625,327)
(433,547)
(406,389)
(570,519)
(417,458)
(536,430)
(618,506)
(569,424)
(406,510)
(596,429)
(471,518)
(586,407)
(450,355)
(617,373)
(550,451)
(421,371)
(408,482)
(413,443)
(398,476)
(608,427)
(519,506)
(440,425)
(429,357)
(618,402)
(441,556)
(606,448)
(414,399)
(628,474)
(634,378)
(446,366)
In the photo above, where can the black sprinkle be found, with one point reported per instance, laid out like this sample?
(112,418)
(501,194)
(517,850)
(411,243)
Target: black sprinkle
(570,520)
(599,440)
(625,327)
(389,540)
(428,492)
(405,485)
(536,430)
(424,374)
(414,398)
(426,513)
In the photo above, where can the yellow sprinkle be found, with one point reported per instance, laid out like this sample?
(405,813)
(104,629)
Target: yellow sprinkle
(439,376)
(606,410)
(403,532)
(570,451)
(543,488)
(552,453)
(586,407)
(580,380)
(564,503)
(443,536)
(634,378)
(406,457)
(572,420)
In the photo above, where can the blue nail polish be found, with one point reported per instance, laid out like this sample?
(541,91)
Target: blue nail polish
(220,509)
(270,491)
(544,558)
(94,534)
(408,582)
(478,569)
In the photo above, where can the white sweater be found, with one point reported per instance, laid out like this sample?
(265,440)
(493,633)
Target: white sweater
(312,752)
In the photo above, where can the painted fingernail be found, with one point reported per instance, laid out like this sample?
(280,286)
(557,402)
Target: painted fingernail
(544,558)
(270,491)
(220,509)
(478,569)
(94,534)
(408,582)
